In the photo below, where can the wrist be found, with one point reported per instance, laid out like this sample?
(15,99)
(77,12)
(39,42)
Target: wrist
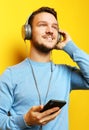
(26,120)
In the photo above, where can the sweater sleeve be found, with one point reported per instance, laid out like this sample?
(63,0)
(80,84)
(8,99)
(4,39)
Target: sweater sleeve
(79,77)
(10,122)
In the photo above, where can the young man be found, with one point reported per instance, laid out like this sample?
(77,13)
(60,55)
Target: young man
(27,86)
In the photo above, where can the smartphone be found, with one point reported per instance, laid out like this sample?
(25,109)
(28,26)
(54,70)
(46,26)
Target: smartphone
(53,103)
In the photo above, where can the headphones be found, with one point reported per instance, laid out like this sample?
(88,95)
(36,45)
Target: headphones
(26,32)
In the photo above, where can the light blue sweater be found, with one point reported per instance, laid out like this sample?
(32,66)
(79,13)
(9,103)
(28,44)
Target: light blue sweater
(18,91)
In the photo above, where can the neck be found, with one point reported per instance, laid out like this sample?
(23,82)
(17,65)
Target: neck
(38,56)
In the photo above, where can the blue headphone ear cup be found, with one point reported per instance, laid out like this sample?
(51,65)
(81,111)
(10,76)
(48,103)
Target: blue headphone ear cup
(26,32)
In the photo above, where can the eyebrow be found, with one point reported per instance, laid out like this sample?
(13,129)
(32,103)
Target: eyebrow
(56,24)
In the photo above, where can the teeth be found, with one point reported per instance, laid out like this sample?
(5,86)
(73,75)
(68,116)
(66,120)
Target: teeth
(48,38)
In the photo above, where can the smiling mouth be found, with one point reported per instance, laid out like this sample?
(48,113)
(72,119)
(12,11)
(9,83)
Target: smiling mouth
(48,38)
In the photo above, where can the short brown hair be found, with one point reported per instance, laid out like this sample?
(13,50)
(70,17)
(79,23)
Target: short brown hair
(42,9)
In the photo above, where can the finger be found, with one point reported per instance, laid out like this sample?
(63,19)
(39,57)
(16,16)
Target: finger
(49,111)
(50,117)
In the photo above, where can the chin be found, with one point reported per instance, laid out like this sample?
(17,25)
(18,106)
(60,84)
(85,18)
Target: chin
(44,49)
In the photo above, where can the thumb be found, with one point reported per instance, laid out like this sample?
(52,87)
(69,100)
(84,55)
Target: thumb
(37,108)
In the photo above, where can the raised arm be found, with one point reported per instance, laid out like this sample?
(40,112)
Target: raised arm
(80,76)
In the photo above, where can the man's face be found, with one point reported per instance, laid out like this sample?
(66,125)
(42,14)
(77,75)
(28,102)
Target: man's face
(44,32)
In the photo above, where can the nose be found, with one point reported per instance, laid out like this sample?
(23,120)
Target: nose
(49,30)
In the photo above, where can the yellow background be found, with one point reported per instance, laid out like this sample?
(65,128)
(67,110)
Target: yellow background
(73,16)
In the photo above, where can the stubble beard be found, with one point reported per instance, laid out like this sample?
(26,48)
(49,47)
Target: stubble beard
(42,48)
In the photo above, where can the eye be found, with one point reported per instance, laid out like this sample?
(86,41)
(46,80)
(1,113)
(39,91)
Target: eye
(55,27)
(42,24)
